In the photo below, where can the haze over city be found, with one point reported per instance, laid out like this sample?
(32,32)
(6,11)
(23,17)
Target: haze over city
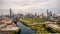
(30,6)
(29,17)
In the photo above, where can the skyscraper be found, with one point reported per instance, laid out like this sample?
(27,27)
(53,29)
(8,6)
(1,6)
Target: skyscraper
(49,14)
(35,14)
(42,15)
(10,12)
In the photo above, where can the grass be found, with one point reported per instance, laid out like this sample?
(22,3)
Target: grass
(37,27)
(15,32)
(34,20)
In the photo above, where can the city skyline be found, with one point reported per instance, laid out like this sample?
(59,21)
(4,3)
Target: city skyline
(30,6)
(29,16)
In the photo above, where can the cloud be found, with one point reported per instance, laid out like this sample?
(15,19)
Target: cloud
(28,5)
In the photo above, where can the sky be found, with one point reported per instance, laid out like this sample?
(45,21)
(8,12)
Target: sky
(30,6)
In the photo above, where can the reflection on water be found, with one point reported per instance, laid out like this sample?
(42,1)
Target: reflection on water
(25,29)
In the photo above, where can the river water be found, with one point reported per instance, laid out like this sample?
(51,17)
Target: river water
(25,29)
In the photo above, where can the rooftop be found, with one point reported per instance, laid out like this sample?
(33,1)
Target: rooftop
(8,25)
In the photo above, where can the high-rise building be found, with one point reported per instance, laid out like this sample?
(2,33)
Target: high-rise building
(35,14)
(42,15)
(10,12)
(49,14)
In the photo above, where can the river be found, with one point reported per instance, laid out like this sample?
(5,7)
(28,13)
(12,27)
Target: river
(25,29)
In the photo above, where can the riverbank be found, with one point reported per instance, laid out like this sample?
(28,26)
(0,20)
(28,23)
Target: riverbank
(34,24)
(24,29)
